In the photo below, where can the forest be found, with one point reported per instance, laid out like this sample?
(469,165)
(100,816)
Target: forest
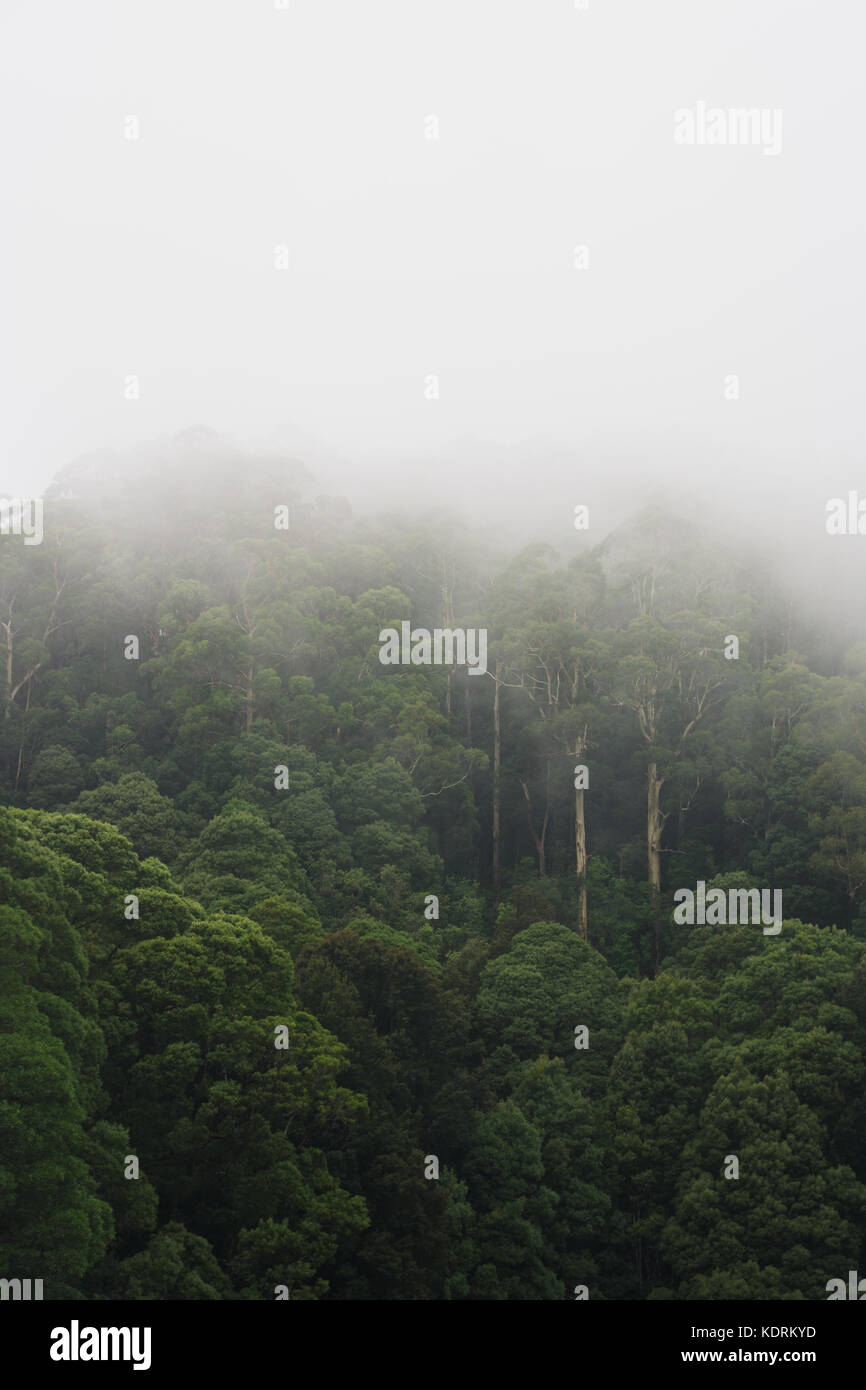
(328,979)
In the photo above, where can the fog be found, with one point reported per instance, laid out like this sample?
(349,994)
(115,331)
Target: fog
(433,665)
(426,174)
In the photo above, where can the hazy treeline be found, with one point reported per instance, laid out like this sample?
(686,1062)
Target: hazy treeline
(460,904)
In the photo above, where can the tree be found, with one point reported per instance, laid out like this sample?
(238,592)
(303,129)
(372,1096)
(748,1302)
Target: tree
(133,803)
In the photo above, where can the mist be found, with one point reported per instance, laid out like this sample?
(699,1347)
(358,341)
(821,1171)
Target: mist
(355,351)
(306,127)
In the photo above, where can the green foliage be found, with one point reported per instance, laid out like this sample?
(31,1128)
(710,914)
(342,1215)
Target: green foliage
(167,912)
(133,803)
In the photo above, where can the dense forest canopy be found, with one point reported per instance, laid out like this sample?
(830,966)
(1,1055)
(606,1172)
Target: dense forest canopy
(509,1072)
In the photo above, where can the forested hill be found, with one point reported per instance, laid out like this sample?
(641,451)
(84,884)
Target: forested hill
(362,981)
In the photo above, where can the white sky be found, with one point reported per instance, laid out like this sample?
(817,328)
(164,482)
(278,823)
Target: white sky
(410,256)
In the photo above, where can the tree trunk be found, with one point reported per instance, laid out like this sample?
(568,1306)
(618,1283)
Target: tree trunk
(580,856)
(21,744)
(497,790)
(580,861)
(7,628)
(539,837)
(250,701)
(655,825)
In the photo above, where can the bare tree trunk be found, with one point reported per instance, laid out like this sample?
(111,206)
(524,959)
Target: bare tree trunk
(250,701)
(539,837)
(447,595)
(21,744)
(9,639)
(580,862)
(655,825)
(543,859)
(497,789)
(580,855)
